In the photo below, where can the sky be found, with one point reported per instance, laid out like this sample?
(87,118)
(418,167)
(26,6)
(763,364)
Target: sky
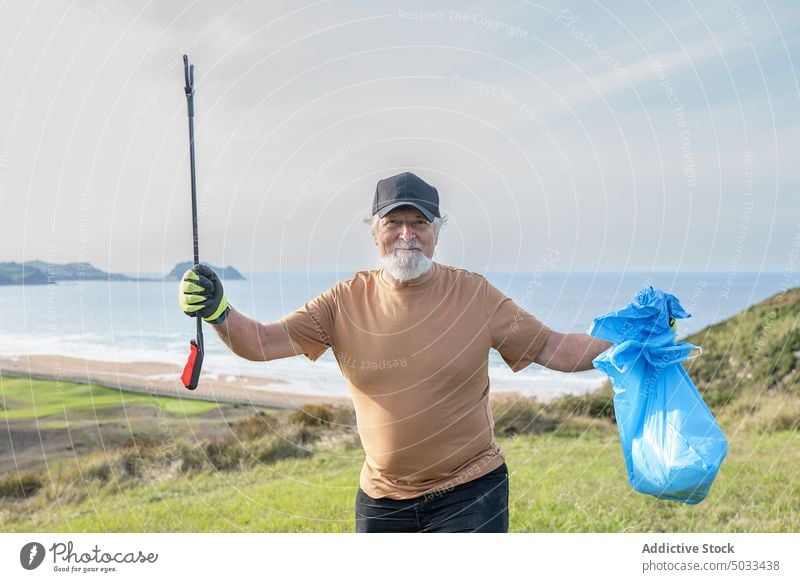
(565,136)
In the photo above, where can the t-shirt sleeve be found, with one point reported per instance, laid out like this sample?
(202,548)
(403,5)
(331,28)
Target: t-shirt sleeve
(311,326)
(516,334)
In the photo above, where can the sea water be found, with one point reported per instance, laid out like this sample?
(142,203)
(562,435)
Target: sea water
(139,321)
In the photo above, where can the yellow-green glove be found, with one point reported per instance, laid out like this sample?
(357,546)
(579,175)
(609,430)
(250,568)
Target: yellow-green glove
(673,324)
(201,293)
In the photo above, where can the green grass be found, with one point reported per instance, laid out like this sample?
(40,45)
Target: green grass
(26,399)
(558,484)
(314,494)
(45,421)
(580,485)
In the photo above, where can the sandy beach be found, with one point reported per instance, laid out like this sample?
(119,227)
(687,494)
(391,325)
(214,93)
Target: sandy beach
(158,378)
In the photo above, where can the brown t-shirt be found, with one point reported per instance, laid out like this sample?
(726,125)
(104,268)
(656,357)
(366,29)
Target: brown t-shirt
(416,360)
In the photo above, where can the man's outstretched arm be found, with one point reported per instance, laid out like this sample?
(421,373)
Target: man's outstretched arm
(201,294)
(256,341)
(570,352)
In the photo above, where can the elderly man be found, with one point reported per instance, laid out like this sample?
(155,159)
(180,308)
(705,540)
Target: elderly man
(412,340)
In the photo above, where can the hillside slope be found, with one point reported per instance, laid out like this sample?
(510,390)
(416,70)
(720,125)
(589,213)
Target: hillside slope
(750,363)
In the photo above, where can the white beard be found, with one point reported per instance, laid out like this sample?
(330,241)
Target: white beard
(406,266)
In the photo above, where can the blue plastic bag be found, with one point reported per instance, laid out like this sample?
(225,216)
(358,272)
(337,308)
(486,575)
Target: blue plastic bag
(672,444)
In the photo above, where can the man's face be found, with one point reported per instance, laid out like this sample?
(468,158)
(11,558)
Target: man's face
(404,232)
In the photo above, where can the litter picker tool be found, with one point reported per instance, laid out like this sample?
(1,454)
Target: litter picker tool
(191,371)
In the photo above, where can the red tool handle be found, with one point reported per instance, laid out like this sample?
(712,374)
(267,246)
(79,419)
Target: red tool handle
(191,371)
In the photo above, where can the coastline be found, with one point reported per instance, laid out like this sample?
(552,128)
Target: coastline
(159,379)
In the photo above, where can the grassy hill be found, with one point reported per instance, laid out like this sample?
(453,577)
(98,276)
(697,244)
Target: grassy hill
(84,458)
(748,373)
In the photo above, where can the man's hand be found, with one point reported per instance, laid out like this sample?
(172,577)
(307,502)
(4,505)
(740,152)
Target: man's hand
(201,294)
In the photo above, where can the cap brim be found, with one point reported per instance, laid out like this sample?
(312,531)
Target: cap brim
(389,207)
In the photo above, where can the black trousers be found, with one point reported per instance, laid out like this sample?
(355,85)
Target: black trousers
(480,505)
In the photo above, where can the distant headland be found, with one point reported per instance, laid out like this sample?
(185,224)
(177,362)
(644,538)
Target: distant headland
(42,273)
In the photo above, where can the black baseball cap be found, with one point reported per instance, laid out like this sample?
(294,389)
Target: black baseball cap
(406,189)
